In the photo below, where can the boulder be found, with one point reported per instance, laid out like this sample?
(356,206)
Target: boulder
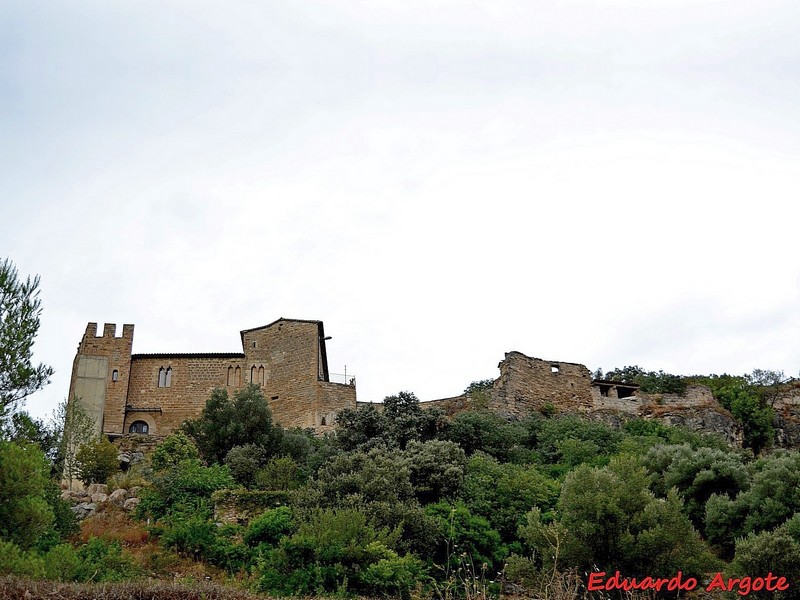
(118,497)
(97,488)
(131,503)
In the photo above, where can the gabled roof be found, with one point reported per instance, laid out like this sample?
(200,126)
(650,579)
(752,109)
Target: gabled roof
(241,333)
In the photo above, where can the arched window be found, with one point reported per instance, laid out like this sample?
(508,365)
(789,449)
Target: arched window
(165,377)
(115,375)
(323,421)
(253,374)
(237,377)
(139,427)
(261,375)
(229,380)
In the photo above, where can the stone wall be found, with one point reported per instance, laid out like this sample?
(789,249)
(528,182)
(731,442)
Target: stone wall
(192,379)
(286,358)
(528,384)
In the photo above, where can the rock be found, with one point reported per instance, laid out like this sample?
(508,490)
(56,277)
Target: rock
(118,497)
(134,491)
(131,503)
(99,498)
(84,509)
(97,488)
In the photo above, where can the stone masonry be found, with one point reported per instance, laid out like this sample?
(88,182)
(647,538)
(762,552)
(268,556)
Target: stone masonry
(154,393)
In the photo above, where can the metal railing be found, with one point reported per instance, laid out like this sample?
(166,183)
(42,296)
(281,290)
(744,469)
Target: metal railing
(343,378)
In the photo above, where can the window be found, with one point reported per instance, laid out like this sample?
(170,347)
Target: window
(229,380)
(554,369)
(323,421)
(115,375)
(253,374)
(139,427)
(165,377)
(237,377)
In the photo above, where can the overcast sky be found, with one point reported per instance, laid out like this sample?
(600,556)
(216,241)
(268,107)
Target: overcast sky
(440,182)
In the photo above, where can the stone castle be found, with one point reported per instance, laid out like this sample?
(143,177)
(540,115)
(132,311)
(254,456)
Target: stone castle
(153,394)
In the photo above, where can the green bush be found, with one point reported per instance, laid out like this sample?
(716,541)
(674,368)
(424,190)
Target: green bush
(245,462)
(14,561)
(62,563)
(184,489)
(97,461)
(270,527)
(337,551)
(175,448)
(102,561)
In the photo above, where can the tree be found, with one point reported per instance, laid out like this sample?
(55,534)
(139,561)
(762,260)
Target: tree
(77,428)
(97,461)
(225,423)
(20,307)
(24,511)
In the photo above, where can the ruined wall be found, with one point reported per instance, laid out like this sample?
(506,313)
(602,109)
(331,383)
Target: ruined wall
(528,384)
(100,375)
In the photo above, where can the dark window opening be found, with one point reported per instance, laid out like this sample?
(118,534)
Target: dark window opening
(114,375)
(254,344)
(625,392)
(604,389)
(274,398)
(139,427)
(323,421)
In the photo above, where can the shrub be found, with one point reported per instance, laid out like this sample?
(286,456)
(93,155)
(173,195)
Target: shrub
(175,448)
(184,488)
(97,461)
(62,563)
(105,561)
(14,561)
(245,461)
(270,527)
(337,551)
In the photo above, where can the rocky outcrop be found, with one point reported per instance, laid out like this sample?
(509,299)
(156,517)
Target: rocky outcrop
(95,497)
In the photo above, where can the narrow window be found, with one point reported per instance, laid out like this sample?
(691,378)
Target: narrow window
(254,344)
(168,378)
(253,374)
(554,369)
(139,427)
(237,377)
(229,381)
(162,377)
(115,375)
(261,375)
(323,421)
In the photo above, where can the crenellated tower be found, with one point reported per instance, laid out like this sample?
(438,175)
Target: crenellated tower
(100,375)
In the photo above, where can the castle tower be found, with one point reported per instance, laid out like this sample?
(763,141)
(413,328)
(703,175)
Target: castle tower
(100,375)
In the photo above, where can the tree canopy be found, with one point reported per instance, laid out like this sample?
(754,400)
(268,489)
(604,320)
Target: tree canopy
(20,307)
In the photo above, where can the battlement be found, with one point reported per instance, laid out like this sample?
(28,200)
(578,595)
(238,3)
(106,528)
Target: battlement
(109,331)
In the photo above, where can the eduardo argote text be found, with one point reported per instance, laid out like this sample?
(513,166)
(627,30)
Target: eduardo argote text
(742,585)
